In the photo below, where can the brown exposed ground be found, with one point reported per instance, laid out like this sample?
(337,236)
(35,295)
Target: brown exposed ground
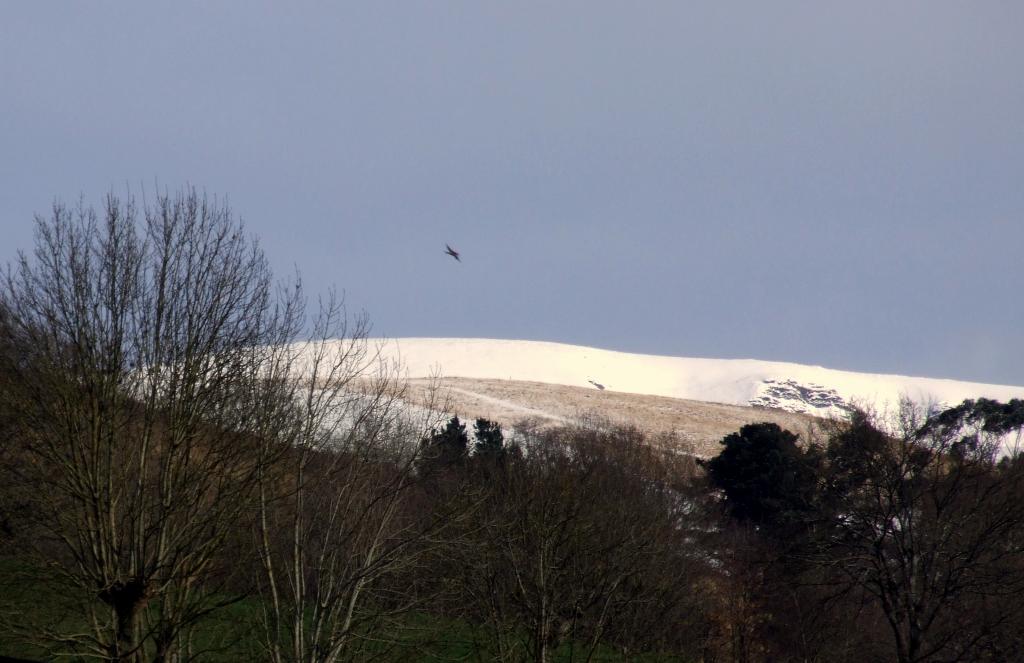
(696,423)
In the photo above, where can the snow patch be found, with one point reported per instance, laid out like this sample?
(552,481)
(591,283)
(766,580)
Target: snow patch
(789,386)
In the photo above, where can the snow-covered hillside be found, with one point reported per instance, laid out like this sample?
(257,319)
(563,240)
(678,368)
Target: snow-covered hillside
(793,387)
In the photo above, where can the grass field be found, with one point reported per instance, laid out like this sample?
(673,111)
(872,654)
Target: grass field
(34,605)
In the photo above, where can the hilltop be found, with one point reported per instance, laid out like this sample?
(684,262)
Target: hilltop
(698,399)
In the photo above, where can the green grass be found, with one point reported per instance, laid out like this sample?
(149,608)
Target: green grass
(30,604)
(230,633)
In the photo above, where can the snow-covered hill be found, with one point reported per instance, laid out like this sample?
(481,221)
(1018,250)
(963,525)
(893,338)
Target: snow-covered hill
(793,387)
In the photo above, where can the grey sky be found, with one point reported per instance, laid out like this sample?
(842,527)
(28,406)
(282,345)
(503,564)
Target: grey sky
(839,186)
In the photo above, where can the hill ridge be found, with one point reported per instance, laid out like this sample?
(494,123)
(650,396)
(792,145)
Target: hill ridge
(809,389)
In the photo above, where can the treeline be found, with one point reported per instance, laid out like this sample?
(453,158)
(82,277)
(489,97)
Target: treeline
(896,538)
(193,466)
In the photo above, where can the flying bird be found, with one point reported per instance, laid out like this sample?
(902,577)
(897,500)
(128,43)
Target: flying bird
(452,252)
(597,384)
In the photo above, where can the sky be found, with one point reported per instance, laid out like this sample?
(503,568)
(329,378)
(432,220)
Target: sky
(825,183)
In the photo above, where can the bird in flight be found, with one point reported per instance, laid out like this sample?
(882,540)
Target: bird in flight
(452,252)
(597,384)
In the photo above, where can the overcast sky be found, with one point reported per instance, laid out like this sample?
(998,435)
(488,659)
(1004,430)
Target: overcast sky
(840,186)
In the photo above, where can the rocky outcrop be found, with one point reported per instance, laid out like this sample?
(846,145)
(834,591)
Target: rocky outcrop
(790,395)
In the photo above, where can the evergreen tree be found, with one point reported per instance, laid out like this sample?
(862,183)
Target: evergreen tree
(445,448)
(489,439)
(767,479)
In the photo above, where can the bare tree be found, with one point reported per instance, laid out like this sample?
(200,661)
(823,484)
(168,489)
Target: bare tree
(929,524)
(580,542)
(336,530)
(146,333)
